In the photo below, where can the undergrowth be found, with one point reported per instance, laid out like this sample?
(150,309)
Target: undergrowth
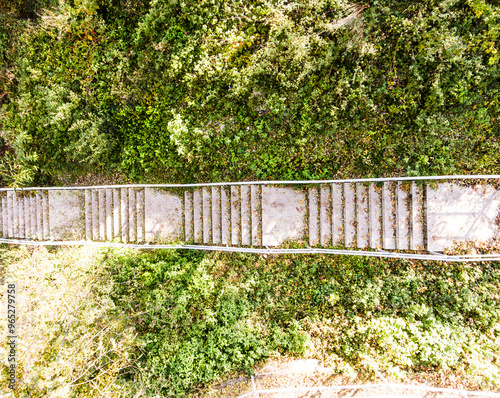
(181,320)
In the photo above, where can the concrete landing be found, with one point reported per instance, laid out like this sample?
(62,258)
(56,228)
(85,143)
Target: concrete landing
(283,215)
(458,213)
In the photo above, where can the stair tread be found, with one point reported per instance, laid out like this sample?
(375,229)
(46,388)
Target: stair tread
(39,216)
(349,214)
(337,214)
(33,215)
(27,217)
(225,215)
(197,216)
(245,215)
(3,230)
(141,215)
(21,221)
(325,215)
(362,219)
(45,217)
(417,222)
(235,215)
(109,214)
(207,215)
(216,215)
(188,216)
(375,207)
(132,215)
(402,218)
(388,216)
(117,233)
(256,208)
(15,212)
(313,196)
(284,215)
(124,203)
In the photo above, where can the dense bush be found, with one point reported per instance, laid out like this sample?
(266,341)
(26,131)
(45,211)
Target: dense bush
(99,322)
(198,91)
(194,326)
(202,315)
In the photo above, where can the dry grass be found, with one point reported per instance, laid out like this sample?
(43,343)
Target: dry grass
(69,340)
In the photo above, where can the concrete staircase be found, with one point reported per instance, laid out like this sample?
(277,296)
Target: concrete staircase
(393,215)
(360,215)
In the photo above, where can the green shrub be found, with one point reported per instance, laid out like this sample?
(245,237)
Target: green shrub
(195,91)
(203,315)
(195,328)
(169,323)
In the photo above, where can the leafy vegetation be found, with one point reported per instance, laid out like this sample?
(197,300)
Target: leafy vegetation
(168,323)
(192,91)
(209,91)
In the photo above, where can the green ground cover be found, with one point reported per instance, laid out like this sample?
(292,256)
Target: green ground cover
(168,323)
(188,91)
(197,91)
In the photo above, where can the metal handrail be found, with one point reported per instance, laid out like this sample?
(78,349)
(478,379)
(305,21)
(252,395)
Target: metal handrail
(307,250)
(211,184)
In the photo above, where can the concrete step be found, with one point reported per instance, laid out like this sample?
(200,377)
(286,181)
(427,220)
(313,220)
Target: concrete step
(17,212)
(66,214)
(117,225)
(136,215)
(33,215)
(402,216)
(207,215)
(7,215)
(225,202)
(39,215)
(26,231)
(216,215)
(198,215)
(10,213)
(349,214)
(235,215)
(132,215)
(141,214)
(362,216)
(313,203)
(375,208)
(88,214)
(22,215)
(325,214)
(256,209)
(337,214)
(162,215)
(188,216)
(101,195)
(124,211)
(109,213)
(417,217)
(388,215)
(94,200)
(3,232)
(284,215)
(246,220)
(45,217)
